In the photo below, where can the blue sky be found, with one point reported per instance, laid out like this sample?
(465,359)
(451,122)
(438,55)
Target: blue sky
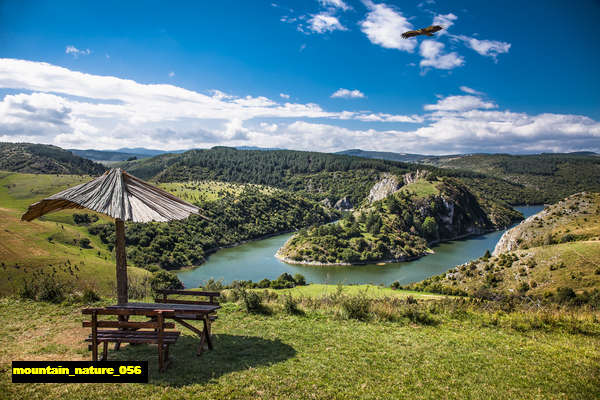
(316,75)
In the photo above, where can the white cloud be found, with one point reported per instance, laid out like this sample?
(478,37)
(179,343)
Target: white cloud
(432,53)
(76,52)
(171,74)
(269,127)
(77,110)
(489,48)
(284,95)
(335,4)
(459,103)
(384,27)
(467,89)
(454,132)
(383,117)
(325,22)
(348,94)
(445,20)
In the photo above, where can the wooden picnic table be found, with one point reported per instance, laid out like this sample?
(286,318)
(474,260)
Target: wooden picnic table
(179,312)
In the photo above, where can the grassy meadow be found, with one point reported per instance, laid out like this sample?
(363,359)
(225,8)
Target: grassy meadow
(52,243)
(423,349)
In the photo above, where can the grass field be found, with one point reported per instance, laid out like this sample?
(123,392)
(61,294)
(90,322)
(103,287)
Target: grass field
(203,191)
(465,355)
(421,188)
(372,291)
(49,243)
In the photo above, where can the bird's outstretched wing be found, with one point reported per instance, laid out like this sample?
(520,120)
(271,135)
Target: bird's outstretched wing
(410,34)
(429,31)
(433,29)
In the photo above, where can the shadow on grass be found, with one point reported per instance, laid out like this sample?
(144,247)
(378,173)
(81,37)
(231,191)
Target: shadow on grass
(231,353)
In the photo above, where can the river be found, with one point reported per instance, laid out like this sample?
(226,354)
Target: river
(255,261)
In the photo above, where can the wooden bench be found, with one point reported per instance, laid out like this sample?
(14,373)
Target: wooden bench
(194,317)
(125,331)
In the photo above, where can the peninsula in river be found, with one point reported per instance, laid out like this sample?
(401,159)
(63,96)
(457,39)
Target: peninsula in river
(399,221)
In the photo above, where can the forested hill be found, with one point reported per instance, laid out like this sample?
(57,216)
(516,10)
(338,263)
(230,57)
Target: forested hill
(317,175)
(546,177)
(44,159)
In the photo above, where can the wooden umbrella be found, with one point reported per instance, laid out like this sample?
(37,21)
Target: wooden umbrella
(123,197)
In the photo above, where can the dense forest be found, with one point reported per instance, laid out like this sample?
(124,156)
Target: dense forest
(315,175)
(45,159)
(399,226)
(248,215)
(544,178)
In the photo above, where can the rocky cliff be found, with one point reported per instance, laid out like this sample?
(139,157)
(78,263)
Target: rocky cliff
(397,227)
(387,185)
(574,218)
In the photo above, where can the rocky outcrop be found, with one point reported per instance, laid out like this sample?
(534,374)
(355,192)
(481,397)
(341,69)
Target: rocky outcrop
(382,189)
(412,177)
(343,204)
(568,220)
(326,203)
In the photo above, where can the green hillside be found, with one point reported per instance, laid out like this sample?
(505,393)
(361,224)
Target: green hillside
(545,178)
(238,212)
(44,159)
(553,255)
(400,227)
(52,245)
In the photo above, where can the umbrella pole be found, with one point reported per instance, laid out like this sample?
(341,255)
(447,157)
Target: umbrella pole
(121,262)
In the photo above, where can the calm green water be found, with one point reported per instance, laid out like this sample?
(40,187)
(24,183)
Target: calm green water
(255,261)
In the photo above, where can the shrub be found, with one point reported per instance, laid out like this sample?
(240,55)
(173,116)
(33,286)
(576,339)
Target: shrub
(89,296)
(165,280)
(487,255)
(265,283)
(290,305)
(85,243)
(299,279)
(213,285)
(84,219)
(252,301)
(356,307)
(523,287)
(51,289)
(418,316)
(565,294)
(28,290)
(395,285)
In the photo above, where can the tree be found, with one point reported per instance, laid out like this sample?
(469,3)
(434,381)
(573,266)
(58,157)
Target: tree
(430,228)
(165,280)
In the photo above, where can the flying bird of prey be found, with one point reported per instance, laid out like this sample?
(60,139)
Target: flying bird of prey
(429,31)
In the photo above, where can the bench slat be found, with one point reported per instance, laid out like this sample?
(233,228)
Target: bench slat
(123,311)
(173,301)
(128,324)
(189,292)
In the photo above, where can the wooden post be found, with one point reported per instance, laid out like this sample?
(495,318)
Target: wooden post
(121,262)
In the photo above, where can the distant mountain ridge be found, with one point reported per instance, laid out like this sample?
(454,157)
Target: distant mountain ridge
(384,155)
(127,153)
(45,159)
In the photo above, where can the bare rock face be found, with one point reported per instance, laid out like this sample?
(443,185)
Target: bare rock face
(343,204)
(326,203)
(412,177)
(382,189)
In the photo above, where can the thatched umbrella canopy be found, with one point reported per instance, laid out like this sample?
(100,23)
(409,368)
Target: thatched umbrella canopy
(122,197)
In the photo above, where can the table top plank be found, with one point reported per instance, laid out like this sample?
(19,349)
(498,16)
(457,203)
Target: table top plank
(199,308)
